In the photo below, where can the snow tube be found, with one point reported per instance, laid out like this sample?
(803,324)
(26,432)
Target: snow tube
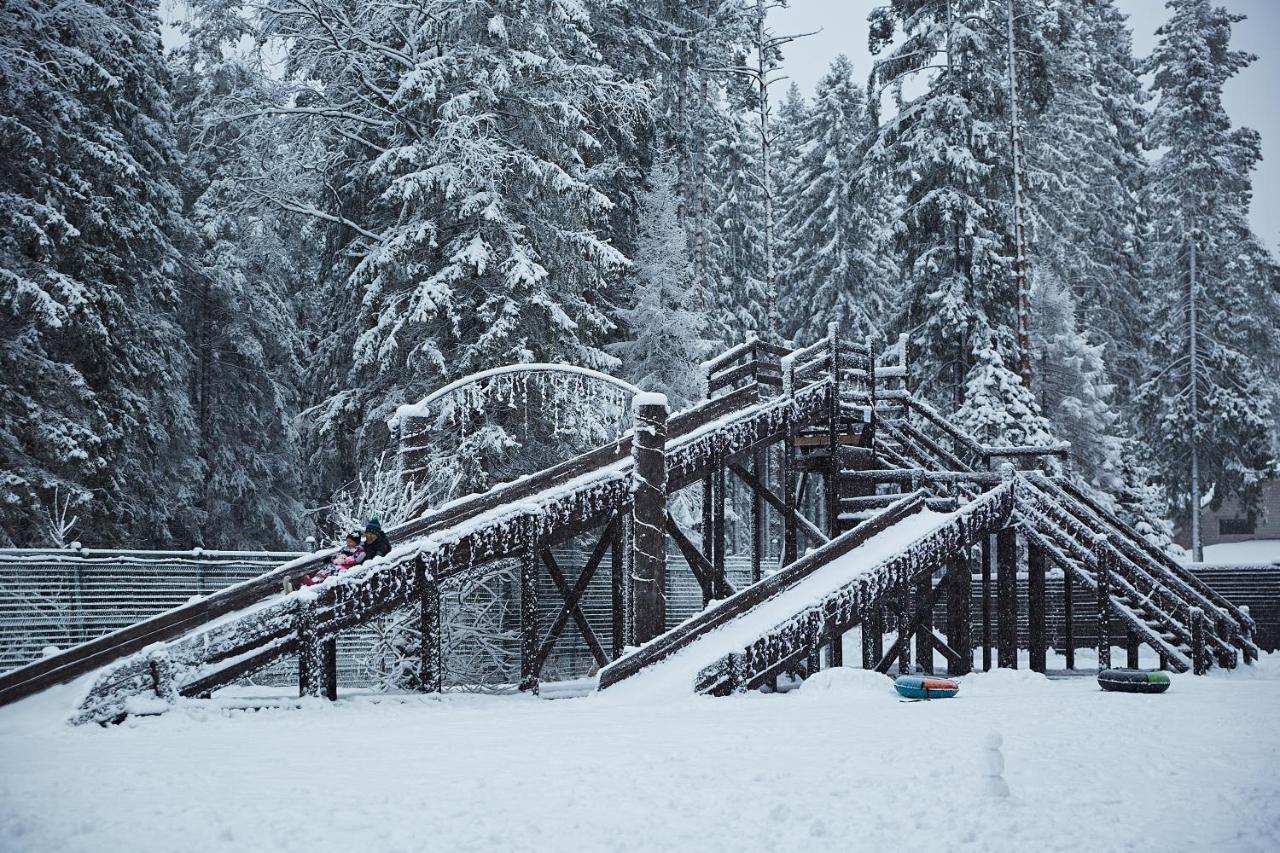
(1134,680)
(925,687)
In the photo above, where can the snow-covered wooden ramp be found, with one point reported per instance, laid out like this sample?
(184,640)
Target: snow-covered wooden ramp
(782,622)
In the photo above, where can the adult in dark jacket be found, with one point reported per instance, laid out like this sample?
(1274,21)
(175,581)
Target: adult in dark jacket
(376,543)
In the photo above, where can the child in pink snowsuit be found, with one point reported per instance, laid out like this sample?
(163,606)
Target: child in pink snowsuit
(351,554)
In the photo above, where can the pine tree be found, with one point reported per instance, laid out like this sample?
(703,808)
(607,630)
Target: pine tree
(243,264)
(665,344)
(945,157)
(1085,167)
(1071,385)
(832,272)
(93,367)
(464,145)
(998,409)
(741,301)
(1206,401)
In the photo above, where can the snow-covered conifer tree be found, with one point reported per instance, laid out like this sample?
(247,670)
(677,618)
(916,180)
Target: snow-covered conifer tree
(664,325)
(832,271)
(1071,384)
(1207,396)
(998,409)
(93,367)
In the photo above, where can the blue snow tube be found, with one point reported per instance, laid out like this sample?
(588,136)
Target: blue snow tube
(925,687)
(1133,680)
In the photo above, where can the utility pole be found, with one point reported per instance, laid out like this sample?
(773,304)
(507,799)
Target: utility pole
(1021,268)
(1197,547)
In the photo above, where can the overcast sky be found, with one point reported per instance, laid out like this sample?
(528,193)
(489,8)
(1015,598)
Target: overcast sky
(1251,97)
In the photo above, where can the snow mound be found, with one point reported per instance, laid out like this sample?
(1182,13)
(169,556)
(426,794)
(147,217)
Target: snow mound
(848,680)
(1004,681)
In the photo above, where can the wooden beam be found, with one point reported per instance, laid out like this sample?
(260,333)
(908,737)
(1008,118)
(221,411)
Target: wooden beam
(790,547)
(924,629)
(617,591)
(649,522)
(908,625)
(329,661)
(309,663)
(761,491)
(719,583)
(430,654)
(572,597)
(696,560)
(1103,574)
(959,578)
(1036,607)
(987,550)
(1068,628)
(529,610)
(759,464)
(1007,598)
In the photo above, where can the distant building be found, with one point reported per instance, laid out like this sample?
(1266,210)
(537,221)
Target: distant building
(1229,523)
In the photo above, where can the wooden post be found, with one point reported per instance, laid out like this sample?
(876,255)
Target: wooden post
(1104,557)
(789,544)
(617,590)
(958,632)
(1068,626)
(759,465)
(719,583)
(415,452)
(1198,666)
(430,663)
(835,639)
(924,631)
(529,639)
(329,655)
(309,663)
(1036,607)
(708,525)
(649,517)
(986,602)
(1007,598)
(870,630)
(1131,649)
(904,621)
(833,439)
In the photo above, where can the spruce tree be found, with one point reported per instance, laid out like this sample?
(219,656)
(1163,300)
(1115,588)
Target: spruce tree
(93,367)
(665,342)
(832,271)
(1206,400)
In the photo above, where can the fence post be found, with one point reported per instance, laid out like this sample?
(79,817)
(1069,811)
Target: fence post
(617,592)
(1068,618)
(1102,553)
(649,516)
(415,451)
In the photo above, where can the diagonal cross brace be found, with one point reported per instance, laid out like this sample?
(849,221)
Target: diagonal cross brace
(572,606)
(906,633)
(702,568)
(806,526)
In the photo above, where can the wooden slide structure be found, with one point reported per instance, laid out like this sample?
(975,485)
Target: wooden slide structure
(837,414)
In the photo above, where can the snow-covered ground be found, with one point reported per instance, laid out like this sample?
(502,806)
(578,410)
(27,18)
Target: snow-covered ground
(1253,551)
(838,765)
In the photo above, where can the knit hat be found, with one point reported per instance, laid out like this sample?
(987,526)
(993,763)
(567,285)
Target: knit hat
(374,526)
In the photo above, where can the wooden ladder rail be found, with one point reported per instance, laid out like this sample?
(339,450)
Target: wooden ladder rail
(1059,546)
